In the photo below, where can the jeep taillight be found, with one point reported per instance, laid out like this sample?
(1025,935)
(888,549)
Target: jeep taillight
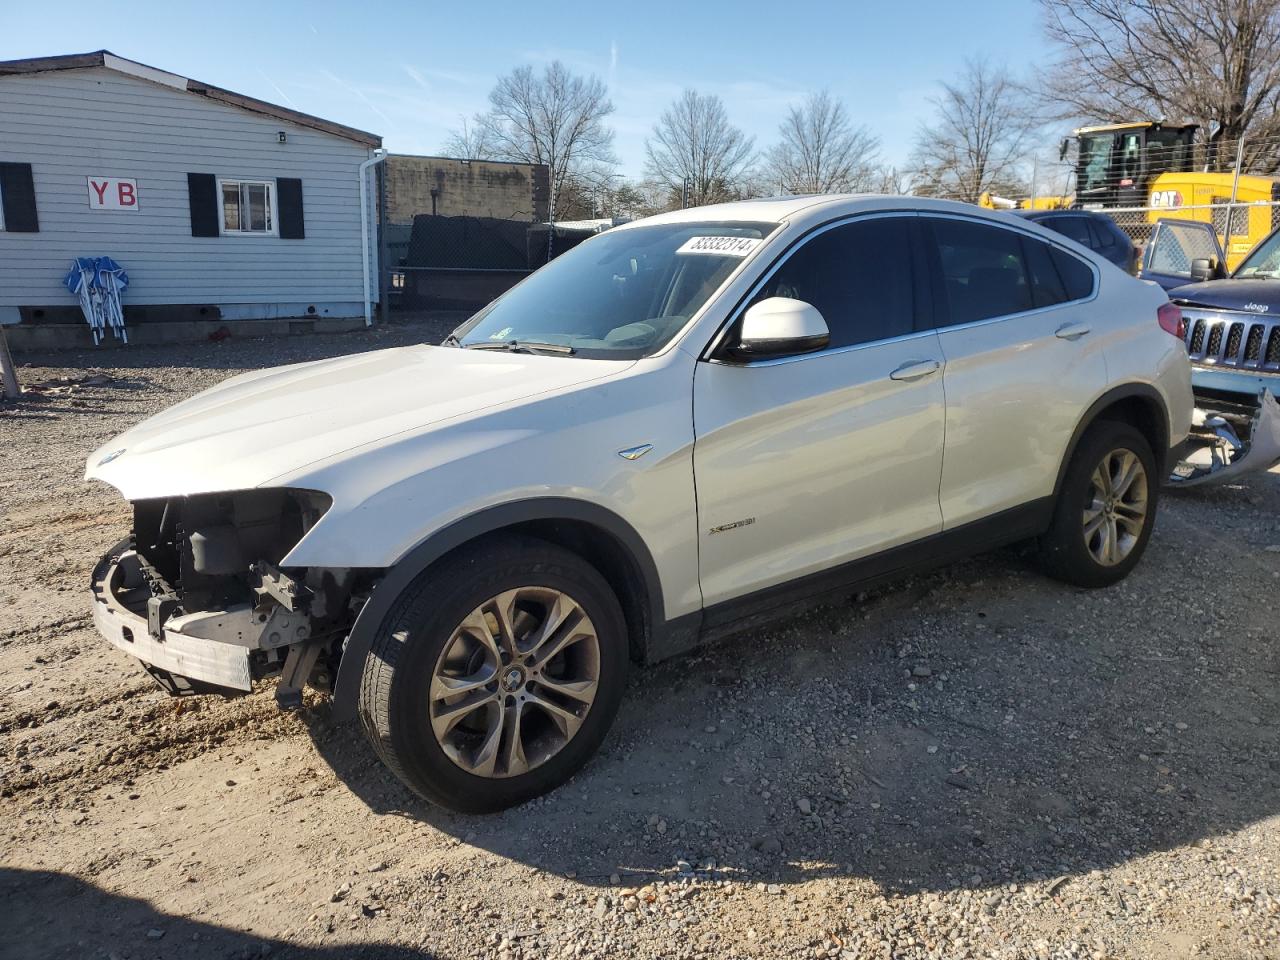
(1170,319)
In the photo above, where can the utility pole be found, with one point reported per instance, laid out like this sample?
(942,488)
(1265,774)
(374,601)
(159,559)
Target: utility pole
(684,195)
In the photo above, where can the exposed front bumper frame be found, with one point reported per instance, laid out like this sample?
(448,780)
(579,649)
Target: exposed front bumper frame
(194,658)
(1216,453)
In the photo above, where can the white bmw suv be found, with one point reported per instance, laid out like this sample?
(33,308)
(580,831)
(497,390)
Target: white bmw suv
(680,426)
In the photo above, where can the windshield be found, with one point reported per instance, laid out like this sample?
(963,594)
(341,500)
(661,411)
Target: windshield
(620,295)
(1264,262)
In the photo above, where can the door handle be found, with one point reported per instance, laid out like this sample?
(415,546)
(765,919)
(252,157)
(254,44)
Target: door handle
(915,370)
(1072,331)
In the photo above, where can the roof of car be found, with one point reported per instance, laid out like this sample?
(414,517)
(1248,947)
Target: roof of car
(1061,212)
(816,207)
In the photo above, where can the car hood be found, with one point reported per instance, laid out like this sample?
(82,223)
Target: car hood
(1249,296)
(259,426)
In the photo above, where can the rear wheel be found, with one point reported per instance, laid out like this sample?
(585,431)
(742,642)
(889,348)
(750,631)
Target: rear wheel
(496,675)
(1105,509)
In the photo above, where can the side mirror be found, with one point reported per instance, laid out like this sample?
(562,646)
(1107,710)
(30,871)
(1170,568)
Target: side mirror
(780,326)
(1202,268)
(1063,148)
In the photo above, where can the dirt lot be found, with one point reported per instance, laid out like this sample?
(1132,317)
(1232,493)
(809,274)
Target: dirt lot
(978,763)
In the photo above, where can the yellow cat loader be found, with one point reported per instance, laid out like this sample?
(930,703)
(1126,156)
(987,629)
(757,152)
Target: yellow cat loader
(1150,164)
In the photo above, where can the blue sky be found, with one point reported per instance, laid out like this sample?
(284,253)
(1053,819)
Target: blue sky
(410,71)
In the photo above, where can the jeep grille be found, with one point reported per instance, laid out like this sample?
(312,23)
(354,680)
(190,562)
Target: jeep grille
(1241,341)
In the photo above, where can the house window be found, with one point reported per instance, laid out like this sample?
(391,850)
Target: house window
(248,206)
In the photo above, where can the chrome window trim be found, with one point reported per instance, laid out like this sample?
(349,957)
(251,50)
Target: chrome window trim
(708,353)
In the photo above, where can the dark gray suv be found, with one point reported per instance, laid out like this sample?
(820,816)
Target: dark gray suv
(1096,231)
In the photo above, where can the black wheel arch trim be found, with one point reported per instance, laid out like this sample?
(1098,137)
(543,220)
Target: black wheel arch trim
(490,520)
(1128,391)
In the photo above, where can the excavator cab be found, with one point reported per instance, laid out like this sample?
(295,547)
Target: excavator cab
(1116,163)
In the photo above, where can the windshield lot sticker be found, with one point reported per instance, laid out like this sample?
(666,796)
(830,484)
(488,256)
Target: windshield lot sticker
(720,246)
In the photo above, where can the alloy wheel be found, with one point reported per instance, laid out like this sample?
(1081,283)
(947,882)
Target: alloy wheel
(1116,512)
(514,682)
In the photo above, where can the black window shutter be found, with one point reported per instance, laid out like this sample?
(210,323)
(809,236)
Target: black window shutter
(289,207)
(202,193)
(18,192)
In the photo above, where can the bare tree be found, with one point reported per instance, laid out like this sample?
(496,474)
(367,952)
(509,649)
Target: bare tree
(891,180)
(553,117)
(978,139)
(694,141)
(468,142)
(1213,62)
(821,151)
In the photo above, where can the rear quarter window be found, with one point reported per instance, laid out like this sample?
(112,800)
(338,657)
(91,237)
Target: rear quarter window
(1077,276)
(1047,288)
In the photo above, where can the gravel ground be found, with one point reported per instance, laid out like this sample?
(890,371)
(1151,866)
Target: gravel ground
(977,763)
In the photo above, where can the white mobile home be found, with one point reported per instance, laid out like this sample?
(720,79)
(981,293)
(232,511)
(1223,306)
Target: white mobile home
(219,206)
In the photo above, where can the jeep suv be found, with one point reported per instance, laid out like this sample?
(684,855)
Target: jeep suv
(680,426)
(1233,341)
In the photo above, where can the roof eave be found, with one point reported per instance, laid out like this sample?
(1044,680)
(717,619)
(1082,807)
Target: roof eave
(105,58)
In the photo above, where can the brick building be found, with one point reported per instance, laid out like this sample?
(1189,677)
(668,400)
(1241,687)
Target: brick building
(464,188)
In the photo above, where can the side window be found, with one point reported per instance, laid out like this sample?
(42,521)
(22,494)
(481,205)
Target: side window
(1075,228)
(983,274)
(858,276)
(1104,235)
(1174,245)
(247,206)
(1046,285)
(1077,276)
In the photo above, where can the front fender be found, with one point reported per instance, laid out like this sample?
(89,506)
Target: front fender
(346,689)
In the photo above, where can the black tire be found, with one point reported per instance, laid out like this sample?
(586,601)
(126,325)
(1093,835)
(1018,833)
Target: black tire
(393,702)
(1062,548)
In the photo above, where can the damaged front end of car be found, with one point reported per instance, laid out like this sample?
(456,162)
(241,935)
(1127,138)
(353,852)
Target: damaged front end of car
(197,593)
(1230,436)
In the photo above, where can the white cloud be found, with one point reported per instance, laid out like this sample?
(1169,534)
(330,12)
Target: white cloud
(416,76)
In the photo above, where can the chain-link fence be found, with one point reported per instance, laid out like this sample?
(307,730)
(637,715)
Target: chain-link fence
(1140,173)
(1239,226)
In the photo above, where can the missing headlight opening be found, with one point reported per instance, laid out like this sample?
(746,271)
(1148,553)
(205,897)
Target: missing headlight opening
(199,582)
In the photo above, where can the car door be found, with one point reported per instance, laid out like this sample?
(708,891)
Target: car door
(1174,246)
(806,462)
(1016,323)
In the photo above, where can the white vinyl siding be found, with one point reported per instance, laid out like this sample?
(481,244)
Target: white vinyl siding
(71,124)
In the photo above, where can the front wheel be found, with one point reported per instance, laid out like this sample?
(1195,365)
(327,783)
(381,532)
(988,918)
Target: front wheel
(496,676)
(1106,508)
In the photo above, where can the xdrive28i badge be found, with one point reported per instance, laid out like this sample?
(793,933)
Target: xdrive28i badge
(744,522)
